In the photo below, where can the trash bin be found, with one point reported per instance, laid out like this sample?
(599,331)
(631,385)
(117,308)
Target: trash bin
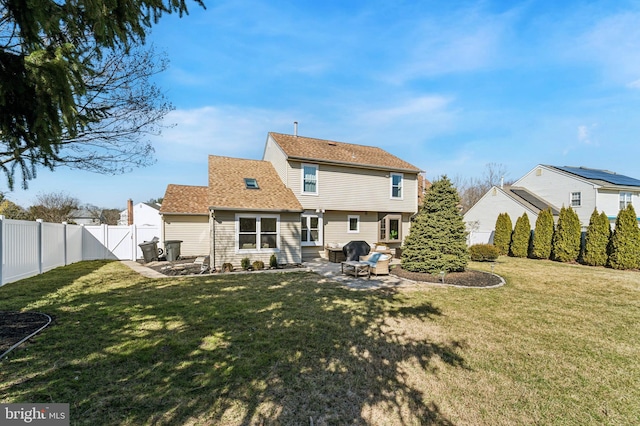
(172,249)
(149,250)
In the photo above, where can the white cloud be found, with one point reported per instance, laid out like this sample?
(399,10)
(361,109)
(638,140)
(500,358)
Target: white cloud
(585,134)
(230,131)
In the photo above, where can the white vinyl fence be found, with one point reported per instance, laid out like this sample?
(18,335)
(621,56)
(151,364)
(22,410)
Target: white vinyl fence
(32,248)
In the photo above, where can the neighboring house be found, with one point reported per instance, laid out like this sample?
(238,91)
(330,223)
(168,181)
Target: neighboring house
(85,217)
(143,214)
(545,186)
(304,194)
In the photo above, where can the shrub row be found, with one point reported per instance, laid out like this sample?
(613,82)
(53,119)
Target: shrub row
(564,241)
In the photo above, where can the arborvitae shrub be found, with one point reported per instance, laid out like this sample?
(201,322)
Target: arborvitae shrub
(257,265)
(625,241)
(542,235)
(273,261)
(565,246)
(437,237)
(502,234)
(596,240)
(521,236)
(483,252)
(245,263)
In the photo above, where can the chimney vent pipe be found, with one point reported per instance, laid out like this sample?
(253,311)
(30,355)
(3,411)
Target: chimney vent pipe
(295,128)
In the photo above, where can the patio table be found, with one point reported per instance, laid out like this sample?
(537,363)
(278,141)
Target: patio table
(356,268)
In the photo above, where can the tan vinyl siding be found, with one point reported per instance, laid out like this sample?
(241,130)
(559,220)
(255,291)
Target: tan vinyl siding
(273,153)
(192,230)
(225,240)
(343,188)
(336,224)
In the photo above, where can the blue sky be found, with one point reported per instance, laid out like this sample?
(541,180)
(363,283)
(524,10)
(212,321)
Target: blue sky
(448,86)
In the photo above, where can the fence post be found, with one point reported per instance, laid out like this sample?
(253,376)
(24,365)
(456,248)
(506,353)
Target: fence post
(1,250)
(134,242)
(40,249)
(64,242)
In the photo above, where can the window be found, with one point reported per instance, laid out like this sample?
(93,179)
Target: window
(251,183)
(625,200)
(396,185)
(390,226)
(258,232)
(311,230)
(354,224)
(310,179)
(576,199)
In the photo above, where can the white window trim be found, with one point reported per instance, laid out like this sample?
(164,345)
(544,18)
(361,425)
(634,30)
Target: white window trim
(353,216)
(307,216)
(628,199)
(258,218)
(315,166)
(391,175)
(579,198)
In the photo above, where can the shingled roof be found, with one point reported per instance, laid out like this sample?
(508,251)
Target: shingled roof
(185,199)
(320,150)
(228,190)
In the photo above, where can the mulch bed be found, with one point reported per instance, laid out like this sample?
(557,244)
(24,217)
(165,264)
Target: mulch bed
(468,278)
(15,326)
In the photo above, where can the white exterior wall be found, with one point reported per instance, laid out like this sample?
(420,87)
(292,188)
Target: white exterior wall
(556,188)
(192,230)
(481,218)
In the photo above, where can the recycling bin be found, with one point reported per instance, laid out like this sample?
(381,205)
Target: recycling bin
(149,251)
(172,249)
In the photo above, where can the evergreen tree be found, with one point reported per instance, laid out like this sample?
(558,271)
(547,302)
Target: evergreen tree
(502,234)
(521,237)
(543,235)
(567,238)
(596,240)
(50,52)
(437,238)
(625,241)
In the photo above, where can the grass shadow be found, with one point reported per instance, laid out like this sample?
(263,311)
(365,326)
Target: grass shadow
(247,349)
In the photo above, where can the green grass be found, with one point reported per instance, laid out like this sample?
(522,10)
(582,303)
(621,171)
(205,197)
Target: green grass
(558,344)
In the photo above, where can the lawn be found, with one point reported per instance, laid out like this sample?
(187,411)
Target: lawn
(558,344)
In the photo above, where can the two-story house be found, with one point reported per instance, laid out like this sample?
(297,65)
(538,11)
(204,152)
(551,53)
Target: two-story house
(544,186)
(303,194)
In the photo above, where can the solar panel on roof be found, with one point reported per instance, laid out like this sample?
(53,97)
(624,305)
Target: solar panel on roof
(604,175)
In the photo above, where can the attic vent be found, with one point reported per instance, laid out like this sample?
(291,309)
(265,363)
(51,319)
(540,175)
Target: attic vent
(494,192)
(332,144)
(538,172)
(251,183)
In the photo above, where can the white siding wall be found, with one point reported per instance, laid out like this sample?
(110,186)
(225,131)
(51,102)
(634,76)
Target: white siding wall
(145,215)
(192,230)
(481,218)
(556,188)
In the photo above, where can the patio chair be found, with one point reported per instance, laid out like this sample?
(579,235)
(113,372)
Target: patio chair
(378,263)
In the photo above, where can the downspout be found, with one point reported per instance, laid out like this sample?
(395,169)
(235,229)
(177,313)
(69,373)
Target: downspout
(212,219)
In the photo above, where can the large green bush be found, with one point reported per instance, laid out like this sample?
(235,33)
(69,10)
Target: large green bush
(625,241)
(521,237)
(542,235)
(437,239)
(483,252)
(566,241)
(596,240)
(502,234)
